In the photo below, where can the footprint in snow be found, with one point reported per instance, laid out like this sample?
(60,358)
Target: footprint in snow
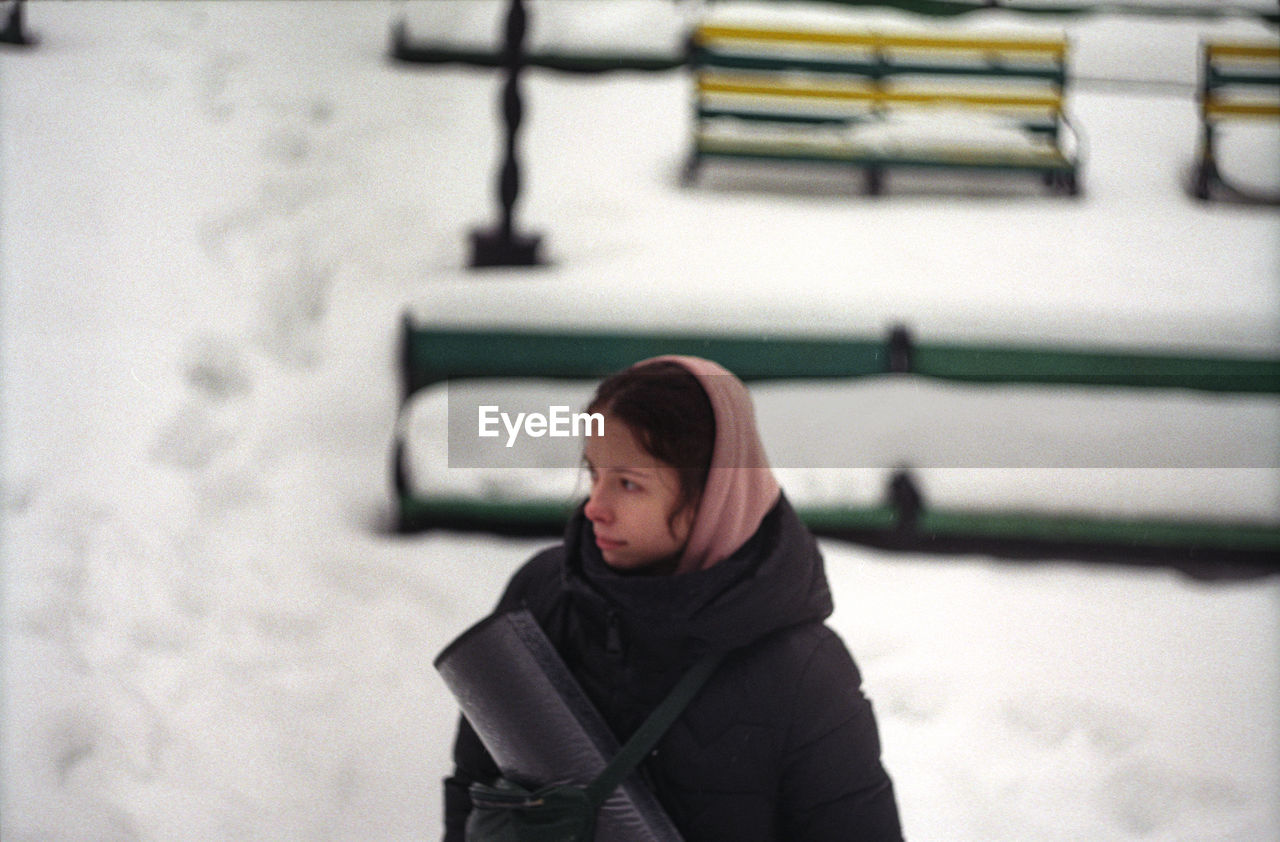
(1145,796)
(1051,719)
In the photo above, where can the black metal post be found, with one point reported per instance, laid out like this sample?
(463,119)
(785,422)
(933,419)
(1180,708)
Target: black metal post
(503,245)
(907,502)
(15,31)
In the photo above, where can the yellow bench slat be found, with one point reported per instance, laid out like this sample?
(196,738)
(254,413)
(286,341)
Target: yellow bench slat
(869,93)
(711,33)
(1213,107)
(1261,52)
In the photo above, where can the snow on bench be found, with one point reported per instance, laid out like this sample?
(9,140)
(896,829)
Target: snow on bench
(1109,448)
(1137,466)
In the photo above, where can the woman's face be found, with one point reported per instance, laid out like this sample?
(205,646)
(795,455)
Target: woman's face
(632,498)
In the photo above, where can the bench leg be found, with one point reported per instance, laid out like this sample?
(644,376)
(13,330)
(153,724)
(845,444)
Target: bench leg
(1070,184)
(1204,177)
(1062,182)
(689,172)
(875,180)
(1207,169)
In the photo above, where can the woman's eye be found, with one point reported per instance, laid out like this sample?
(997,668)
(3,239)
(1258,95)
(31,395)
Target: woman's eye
(630,485)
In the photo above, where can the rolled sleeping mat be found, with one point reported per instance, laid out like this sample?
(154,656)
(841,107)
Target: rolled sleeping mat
(538,724)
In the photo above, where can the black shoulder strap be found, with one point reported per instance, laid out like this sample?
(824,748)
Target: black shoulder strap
(648,734)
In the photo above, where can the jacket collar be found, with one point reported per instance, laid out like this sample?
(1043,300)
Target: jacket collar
(775,580)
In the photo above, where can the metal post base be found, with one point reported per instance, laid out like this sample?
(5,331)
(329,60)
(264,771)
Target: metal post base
(494,248)
(14,32)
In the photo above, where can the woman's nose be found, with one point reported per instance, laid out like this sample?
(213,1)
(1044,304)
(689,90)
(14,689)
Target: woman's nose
(596,510)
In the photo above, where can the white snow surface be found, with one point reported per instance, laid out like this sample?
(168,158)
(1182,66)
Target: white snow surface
(212,218)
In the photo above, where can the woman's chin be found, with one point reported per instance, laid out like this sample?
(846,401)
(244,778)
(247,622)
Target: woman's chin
(618,559)
(622,562)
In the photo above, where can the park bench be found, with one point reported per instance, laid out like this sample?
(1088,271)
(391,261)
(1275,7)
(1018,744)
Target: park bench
(882,101)
(1238,81)
(434,353)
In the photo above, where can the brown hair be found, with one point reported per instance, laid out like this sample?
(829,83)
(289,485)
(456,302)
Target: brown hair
(671,417)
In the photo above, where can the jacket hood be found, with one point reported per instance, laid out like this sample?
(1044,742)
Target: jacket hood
(741,488)
(776,579)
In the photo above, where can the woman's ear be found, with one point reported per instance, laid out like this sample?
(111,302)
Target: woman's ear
(681,521)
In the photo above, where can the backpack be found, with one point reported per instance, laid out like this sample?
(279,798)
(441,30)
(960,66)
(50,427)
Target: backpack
(508,812)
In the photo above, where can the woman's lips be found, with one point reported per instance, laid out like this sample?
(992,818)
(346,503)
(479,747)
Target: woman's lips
(608,543)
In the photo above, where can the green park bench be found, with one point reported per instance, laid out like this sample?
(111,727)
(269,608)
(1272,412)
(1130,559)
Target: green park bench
(433,354)
(882,101)
(1238,81)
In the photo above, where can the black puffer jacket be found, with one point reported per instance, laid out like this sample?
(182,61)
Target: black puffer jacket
(779,745)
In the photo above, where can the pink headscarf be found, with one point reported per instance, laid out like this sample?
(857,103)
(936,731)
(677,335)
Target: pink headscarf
(741,488)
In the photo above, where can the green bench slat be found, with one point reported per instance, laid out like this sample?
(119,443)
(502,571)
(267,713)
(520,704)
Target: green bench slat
(433,355)
(957,160)
(817,119)
(1049,366)
(715,59)
(711,112)
(1219,78)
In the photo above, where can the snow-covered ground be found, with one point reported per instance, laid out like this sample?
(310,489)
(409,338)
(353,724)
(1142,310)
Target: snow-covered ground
(212,218)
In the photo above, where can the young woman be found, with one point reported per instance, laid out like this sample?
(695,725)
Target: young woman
(685,545)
